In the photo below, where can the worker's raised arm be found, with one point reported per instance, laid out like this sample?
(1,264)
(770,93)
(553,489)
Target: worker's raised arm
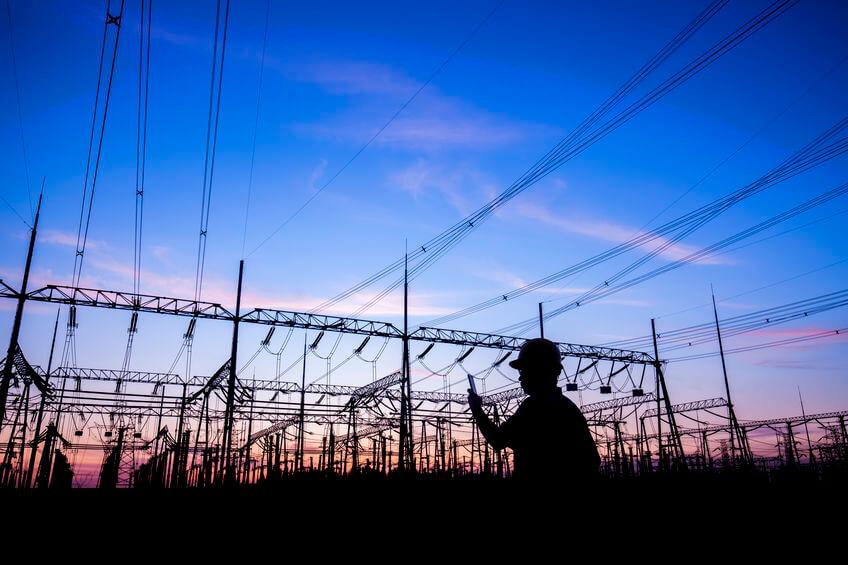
(496,436)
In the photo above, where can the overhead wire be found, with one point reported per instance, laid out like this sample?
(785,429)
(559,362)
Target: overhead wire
(752,291)
(256,123)
(141,138)
(565,150)
(688,336)
(767,345)
(211,141)
(605,290)
(20,111)
(89,191)
(807,157)
(377,134)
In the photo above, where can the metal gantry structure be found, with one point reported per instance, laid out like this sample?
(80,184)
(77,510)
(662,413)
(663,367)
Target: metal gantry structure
(408,431)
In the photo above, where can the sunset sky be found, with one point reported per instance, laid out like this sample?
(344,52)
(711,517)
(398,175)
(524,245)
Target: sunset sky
(334,73)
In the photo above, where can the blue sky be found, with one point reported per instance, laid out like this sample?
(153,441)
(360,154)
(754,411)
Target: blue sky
(333,74)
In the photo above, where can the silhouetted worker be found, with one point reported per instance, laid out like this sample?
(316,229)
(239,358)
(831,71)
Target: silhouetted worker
(547,434)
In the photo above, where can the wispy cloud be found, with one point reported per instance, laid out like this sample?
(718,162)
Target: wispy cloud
(463,187)
(794,365)
(350,77)
(606,231)
(433,121)
(316,174)
(786,333)
(108,273)
(67,239)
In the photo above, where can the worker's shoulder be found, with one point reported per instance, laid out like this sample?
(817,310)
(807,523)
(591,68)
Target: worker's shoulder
(556,401)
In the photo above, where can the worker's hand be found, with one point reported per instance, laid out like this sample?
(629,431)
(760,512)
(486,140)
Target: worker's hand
(474,401)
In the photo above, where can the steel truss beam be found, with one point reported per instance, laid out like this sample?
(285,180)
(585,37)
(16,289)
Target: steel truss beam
(117,300)
(615,403)
(319,322)
(755,424)
(475,339)
(705,404)
(118,375)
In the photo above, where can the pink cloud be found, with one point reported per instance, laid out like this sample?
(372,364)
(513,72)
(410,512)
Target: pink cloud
(107,273)
(786,333)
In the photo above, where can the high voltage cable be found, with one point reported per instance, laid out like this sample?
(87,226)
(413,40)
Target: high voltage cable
(805,158)
(766,345)
(20,112)
(256,123)
(211,142)
(752,291)
(441,244)
(738,149)
(14,211)
(604,291)
(744,323)
(459,229)
(403,107)
(85,210)
(141,138)
(756,134)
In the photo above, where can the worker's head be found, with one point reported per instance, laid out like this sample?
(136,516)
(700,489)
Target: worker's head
(539,364)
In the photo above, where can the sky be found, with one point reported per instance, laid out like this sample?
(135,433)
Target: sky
(333,74)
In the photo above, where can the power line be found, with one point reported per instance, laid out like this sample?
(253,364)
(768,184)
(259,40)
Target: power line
(20,112)
(141,138)
(12,208)
(391,119)
(752,291)
(569,147)
(697,334)
(85,210)
(606,289)
(806,158)
(211,138)
(766,345)
(256,124)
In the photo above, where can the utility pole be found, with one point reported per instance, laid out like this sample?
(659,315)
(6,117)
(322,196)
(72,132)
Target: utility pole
(19,311)
(247,447)
(41,404)
(298,459)
(806,428)
(731,415)
(405,447)
(176,473)
(231,385)
(677,445)
(541,322)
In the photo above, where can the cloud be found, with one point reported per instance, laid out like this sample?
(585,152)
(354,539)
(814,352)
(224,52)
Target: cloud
(795,365)
(67,239)
(317,173)
(107,273)
(451,129)
(175,38)
(432,121)
(419,304)
(162,252)
(350,77)
(457,185)
(787,333)
(605,231)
